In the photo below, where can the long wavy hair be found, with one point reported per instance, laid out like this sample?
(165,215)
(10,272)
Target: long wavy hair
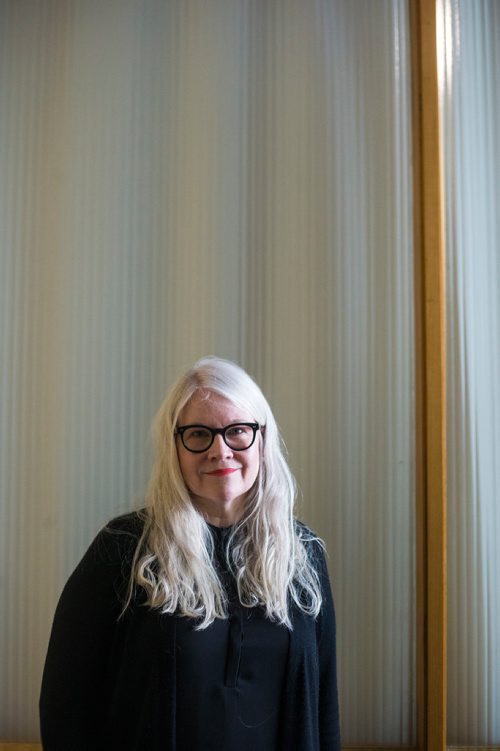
(267,552)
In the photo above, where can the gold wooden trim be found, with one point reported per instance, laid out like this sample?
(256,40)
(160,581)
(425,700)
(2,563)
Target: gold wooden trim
(20,747)
(430,382)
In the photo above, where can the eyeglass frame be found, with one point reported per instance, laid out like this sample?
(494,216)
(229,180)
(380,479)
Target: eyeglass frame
(179,431)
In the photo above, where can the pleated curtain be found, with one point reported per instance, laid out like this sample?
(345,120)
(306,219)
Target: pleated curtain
(470,79)
(180,178)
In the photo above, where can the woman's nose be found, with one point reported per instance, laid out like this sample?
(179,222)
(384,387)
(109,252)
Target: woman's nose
(219,448)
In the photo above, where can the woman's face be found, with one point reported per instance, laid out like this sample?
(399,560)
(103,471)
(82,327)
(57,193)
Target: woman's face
(219,478)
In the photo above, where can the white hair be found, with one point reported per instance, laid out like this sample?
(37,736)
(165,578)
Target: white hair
(267,553)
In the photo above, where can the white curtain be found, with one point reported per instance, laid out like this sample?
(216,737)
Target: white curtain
(231,177)
(470,60)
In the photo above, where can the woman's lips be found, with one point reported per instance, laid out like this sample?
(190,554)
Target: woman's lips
(222,472)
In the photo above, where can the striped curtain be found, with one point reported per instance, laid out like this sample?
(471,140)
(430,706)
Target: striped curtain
(470,60)
(184,177)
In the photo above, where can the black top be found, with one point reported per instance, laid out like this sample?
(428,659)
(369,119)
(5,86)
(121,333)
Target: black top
(230,675)
(109,682)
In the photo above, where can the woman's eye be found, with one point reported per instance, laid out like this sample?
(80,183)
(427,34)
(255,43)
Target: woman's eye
(200,433)
(237,430)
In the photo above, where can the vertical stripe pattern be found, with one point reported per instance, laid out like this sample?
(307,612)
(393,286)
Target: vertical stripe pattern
(231,177)
(470,58)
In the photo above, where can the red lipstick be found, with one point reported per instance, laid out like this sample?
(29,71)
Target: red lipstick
(222,472)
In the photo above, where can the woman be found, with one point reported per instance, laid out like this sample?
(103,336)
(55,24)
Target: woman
(204,622)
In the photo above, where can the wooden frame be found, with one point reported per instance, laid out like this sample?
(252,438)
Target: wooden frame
(430,381)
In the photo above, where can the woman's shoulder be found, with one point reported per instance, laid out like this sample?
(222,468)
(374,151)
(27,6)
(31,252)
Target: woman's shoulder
(131,523)
(118,539)
(303,529)
(313,543)
(306,534)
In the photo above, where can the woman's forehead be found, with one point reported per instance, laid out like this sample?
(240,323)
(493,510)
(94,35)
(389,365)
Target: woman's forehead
(209,408)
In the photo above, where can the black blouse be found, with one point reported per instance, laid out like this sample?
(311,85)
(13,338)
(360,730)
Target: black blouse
(229,676)
(109,683)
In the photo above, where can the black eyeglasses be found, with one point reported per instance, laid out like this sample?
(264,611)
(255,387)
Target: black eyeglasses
(239,436)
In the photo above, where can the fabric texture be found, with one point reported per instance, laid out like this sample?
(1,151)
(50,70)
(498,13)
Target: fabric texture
(109,683)
(230,676)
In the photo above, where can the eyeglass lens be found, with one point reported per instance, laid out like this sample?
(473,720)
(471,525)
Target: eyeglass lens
(199,438)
